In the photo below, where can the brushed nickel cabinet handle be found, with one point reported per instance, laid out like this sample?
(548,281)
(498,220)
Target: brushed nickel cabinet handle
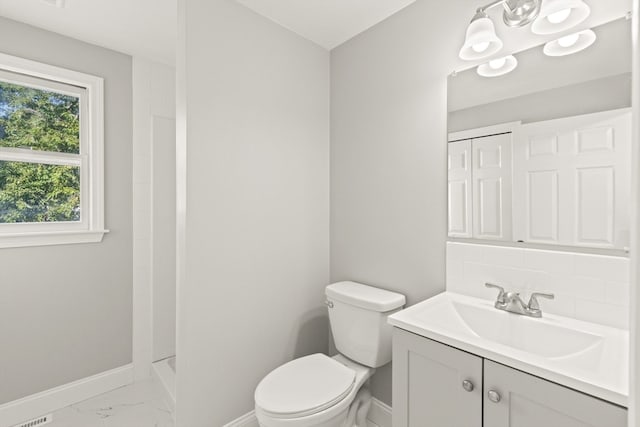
(494,396)
(467,385)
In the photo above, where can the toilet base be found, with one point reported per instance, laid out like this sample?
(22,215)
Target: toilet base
(339,420)
(359,409)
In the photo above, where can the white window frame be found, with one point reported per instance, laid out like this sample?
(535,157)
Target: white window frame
(90,90)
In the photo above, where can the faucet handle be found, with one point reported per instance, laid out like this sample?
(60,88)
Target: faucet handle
(500,298)
(533,300)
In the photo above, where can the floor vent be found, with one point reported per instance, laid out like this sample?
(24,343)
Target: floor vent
(36,422)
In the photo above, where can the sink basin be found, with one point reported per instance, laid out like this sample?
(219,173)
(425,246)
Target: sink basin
(585,356)
(524,333)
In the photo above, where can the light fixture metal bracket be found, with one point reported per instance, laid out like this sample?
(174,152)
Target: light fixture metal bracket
(517,13)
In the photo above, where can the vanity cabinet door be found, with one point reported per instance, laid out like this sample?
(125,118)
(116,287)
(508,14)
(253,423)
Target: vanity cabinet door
(428,387)
(528,401)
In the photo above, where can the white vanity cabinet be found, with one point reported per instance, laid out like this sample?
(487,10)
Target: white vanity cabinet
(529,401)
(438,385)
(428,385)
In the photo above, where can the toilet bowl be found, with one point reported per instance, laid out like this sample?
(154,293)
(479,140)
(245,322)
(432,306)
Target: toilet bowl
(323,391)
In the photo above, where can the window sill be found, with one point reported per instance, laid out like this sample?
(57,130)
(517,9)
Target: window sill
(21,240)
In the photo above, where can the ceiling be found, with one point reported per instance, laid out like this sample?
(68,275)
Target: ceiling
(137,27)
(328,23)
(148,28)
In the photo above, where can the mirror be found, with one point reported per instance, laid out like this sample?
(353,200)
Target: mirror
(541,156)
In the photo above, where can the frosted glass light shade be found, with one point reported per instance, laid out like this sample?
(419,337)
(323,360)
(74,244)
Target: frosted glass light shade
(560,15)
(570,44)
(498,67)
(481,40)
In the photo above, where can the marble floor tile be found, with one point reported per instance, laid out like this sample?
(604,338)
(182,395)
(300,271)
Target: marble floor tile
(136,405)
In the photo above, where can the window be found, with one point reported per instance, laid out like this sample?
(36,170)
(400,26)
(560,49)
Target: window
(51,155)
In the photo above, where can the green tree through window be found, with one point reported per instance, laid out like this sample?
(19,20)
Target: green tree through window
(39,120)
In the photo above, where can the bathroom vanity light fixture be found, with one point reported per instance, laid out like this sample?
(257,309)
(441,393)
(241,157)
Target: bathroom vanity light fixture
(498,67)
(570,44)
(560,15)
(481,40)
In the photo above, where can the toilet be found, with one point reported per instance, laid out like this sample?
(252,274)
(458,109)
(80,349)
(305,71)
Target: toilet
(323,391)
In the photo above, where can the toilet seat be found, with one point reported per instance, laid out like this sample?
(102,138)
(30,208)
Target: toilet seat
(304,387)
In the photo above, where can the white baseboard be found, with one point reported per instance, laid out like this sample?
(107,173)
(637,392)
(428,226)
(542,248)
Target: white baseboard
(166,378)
(42,403)
(247,420)
(379,416)
(379,413)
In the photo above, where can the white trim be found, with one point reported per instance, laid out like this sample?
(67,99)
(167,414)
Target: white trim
(484,131)
(379,413)
(22,240)
(32,156)
(60,397)
(142,227)
(90,90)
(46,71)
(379,416)
(634,324)
(166,377)
(37,83)
(149,78)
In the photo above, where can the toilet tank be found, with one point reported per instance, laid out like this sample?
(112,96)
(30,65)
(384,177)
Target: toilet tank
(358,316)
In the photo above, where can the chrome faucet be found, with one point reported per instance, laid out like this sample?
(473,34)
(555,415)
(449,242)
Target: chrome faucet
(511,302)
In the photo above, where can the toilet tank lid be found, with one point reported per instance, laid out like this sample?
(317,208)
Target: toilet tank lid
(364,296)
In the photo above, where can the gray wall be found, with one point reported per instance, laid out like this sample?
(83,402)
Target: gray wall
(65,311)
(608,93)
(388,153)
(253,205)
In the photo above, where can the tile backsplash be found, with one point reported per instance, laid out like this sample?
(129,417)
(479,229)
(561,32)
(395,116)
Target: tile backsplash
(587,287)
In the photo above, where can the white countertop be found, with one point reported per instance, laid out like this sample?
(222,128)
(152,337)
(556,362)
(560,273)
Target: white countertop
(600,369)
